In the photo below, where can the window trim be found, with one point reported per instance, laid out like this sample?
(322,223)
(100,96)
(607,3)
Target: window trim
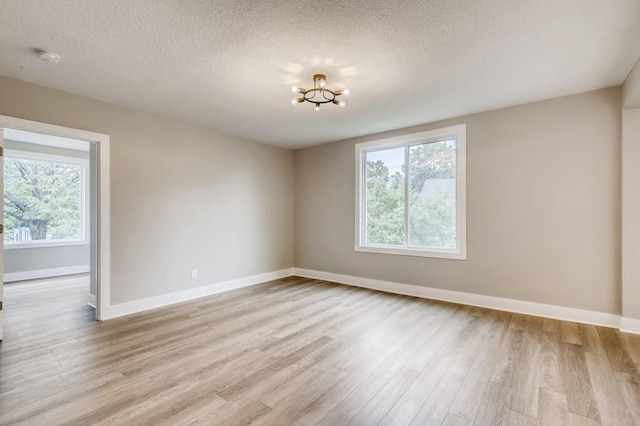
(458,132)
(84,199)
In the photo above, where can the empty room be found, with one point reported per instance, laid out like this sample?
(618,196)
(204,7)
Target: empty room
(331,212)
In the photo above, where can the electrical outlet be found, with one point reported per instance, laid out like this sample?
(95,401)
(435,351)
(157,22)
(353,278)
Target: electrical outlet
(194,274)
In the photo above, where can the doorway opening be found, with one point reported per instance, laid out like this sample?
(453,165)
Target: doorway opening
(48,216)
(55,257)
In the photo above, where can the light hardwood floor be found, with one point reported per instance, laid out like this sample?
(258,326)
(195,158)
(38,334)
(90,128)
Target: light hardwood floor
(301,351)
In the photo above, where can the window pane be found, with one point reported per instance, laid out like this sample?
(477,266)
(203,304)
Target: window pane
(432,194)
(385,196)
(42,200)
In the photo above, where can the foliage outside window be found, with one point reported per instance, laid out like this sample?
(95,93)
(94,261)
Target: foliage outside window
(411,194)
(44,198)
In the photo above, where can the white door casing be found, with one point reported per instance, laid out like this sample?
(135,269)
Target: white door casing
(2,233)
(103,240)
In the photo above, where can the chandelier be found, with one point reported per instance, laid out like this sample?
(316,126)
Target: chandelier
(319,94)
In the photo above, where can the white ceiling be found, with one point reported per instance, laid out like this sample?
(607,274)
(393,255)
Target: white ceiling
(229,64)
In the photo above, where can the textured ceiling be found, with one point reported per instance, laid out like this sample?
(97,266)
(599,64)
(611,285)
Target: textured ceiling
(229,64)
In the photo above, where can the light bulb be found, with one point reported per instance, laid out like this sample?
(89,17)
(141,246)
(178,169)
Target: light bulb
(294,89)
(345,92)
(341,104)
(322,83)
(294,101)
(317,107)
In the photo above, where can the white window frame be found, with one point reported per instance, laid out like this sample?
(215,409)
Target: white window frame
(84,199)
(459,133)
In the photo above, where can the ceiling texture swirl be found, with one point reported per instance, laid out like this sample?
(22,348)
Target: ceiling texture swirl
(229,65)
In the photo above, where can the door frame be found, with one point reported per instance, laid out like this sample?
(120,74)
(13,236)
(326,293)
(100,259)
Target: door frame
(103,240)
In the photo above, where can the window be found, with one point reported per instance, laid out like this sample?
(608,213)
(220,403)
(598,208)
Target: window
(45,199)
(411,194)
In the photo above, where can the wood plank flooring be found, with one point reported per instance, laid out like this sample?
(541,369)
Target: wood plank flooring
(301,351)
(47,304)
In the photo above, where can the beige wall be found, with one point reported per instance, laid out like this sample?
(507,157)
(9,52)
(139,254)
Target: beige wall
(543,209)
(182,197)
(631,213)
(631,92)
(39,258)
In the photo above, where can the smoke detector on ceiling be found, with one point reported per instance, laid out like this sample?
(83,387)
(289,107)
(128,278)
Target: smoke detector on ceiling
(47,55)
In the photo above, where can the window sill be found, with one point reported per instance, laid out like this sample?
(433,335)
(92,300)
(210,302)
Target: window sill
(438,254)
(43,244)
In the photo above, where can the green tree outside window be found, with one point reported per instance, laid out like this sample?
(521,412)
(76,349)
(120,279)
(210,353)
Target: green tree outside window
(43,197)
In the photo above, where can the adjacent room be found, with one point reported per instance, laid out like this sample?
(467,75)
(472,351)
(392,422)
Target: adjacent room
(331,212)
(47,223)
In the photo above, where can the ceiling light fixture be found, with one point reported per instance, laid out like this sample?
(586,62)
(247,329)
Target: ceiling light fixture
(47,55)
(319,94)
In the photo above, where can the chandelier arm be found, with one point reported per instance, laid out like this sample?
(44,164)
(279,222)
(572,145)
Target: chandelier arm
(309,94)
(333,95)
(315,96)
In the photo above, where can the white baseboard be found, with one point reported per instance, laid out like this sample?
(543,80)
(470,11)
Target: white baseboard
(135,306)
(491,302)
(630,325)
(627,325)
(91,300)
(45,273)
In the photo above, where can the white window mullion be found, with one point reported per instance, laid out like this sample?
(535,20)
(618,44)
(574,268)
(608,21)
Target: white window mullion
(363,198)
(406,196)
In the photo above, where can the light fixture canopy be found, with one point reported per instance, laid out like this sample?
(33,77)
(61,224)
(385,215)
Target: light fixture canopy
(319,94)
